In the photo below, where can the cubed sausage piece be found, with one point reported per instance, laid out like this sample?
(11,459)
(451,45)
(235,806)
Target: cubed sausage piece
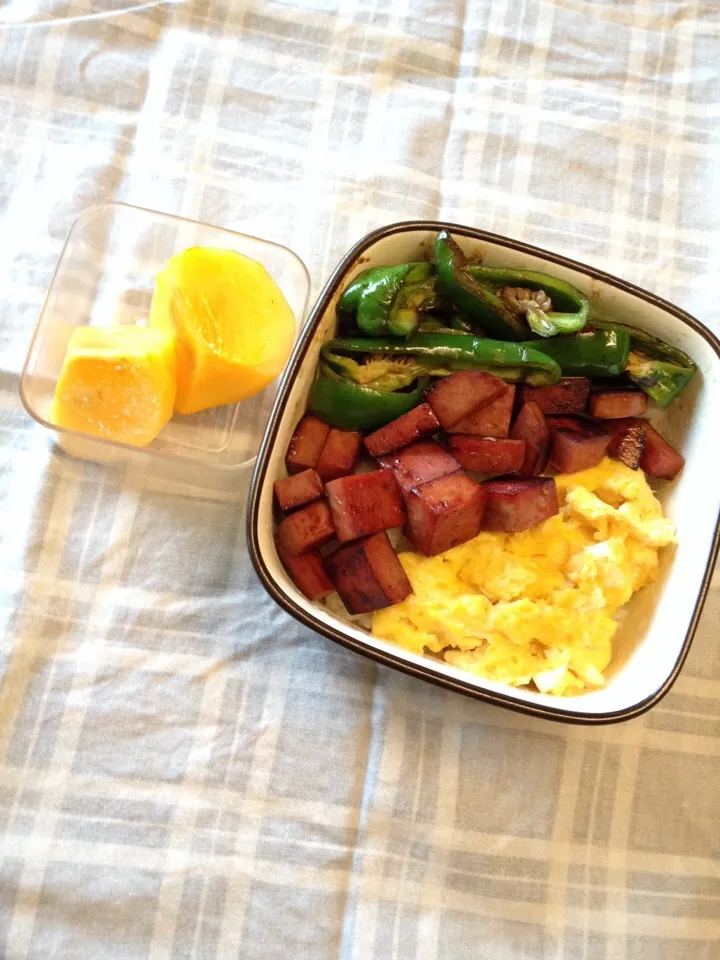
(488,454)
(306,444)
(297,490)
(658,458)
(572,425)
(628,441)
(339,454)
(572,452)
(490,421)
(514,505)
(305,529)
(458,395)
(364,504)
(530,426)
(419,463)
(614,404)
(568,395)
(368,575)
(444,513)
(419,422)
(307,572)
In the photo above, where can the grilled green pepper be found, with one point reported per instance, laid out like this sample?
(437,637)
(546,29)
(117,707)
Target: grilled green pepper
(438,355)
(660,370)
(350,298)
(659,379)
(591,353)
(348,405)
(508,303)
(389,300)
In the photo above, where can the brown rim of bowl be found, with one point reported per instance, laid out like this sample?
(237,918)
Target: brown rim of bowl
(388,659)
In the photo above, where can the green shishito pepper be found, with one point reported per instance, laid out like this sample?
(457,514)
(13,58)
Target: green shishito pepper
(475,290)
(364,383)
(658,369)
(438,355)
(389,300)
(348,405)
(590,353)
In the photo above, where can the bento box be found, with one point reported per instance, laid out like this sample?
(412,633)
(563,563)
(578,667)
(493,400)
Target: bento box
(660,620)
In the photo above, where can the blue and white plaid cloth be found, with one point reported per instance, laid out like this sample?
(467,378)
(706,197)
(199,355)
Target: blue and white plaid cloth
(184,771)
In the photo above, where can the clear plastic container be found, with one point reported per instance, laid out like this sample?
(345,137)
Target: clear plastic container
(106,275)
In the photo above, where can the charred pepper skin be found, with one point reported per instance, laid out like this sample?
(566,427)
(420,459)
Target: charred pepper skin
(590,353)
(470,297)
(474,289)
(439,354)
(657,368)
(661,380)
(353,395)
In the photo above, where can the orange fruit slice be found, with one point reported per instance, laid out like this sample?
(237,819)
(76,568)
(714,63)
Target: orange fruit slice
(234,327)
(116,382)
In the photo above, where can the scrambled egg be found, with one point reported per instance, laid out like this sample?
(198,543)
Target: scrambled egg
(538,606)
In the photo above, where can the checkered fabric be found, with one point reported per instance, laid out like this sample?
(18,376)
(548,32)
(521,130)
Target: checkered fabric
(184,770)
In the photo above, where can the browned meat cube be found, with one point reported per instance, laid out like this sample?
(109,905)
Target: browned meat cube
(488,454)
(444,513)
(628,441)
(305,529)
(574,451)
(458,395)
(307,572)
(490,421)
(568,395)
(306,444)
(419,463)
(297,490)
(339,454)
(614,404)
(364,504)
(514,505)
(659,459)
(530,426)
(572,425)
(419,422)
(368,575)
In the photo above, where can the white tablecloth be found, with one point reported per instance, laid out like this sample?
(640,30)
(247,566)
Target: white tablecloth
(184,771)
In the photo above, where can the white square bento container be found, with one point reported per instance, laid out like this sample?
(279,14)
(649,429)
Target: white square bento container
(657,629)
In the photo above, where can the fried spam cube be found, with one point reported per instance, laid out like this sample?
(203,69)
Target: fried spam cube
(339,454)
(572,452)
(458,395)
(368,575)
(514,505)
(419,463)
(444,513)
(306,444)
(614,404)
(364,504)
(628,441)
(568,395)
(492,420)
(488,454)
(658,458)
(305,529)
(307,572)
(531,427)
(418,423)
(297,490)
